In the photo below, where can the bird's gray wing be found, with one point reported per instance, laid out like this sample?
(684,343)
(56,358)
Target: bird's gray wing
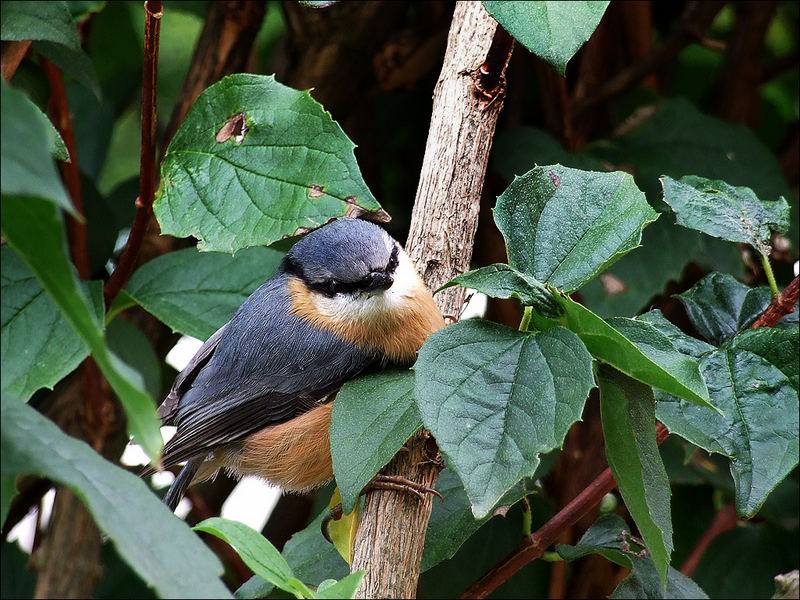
(265,367)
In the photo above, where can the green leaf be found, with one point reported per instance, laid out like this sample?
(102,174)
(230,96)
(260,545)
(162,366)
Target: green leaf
(564,226)
(372,418)
(495,398)
(554,31)
(39,347)
(26,165)
(725,211)
(636,348)
(58,148)
(195,293)
(503,281)
(35,229)
(685,344)
(256,552)
(680,140)
(310,556)
(630,283)
(610,537)
(627,409)
(293,168)
(516,151)
(753,379)
(719,306)
(131,345)
(158,546)
(39,21)
(345,588)
(452,522)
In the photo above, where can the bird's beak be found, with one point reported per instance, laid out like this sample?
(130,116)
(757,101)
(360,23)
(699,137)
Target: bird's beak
(379,281)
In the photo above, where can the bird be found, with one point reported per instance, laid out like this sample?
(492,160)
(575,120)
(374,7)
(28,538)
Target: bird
(256,398)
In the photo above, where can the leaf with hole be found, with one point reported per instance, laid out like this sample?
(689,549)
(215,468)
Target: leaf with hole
(290,167)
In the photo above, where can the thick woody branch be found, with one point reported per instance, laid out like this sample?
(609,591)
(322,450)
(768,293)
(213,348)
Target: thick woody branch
(445,216)
(696,19)
(147,165)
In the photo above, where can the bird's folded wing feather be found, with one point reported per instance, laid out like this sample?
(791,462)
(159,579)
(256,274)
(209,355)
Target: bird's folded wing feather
(264,367)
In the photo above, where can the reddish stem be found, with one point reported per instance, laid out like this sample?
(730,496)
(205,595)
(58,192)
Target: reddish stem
(780,306)
(147,169)
(12,55)
(724,520)
(533,546)
(70,173)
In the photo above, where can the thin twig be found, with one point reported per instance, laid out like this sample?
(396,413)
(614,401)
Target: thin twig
(723,521)
(70,173)
(697,17)
(147,169)
(534,545)
(780,306)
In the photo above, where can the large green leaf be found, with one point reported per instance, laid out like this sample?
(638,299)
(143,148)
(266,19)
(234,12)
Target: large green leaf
(753,379)
(372,418)
(158,546)
(719,306)
(292,167)
(503,281)
(610,537)
(26,167)
(495,398)
(680,140)
(195,293)
(257,553)
(311,557)
(554,31)
(131,345)
(627,409)
(636,348)
(35,229)
(39,347)
(72,62)
(725,211)
(564,226)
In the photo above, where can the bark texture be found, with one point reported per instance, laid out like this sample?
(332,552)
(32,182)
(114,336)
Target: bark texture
(392,532)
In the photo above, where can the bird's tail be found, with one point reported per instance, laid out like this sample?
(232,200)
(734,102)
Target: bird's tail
(182,481)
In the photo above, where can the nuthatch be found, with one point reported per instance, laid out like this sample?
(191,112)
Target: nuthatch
(256,398)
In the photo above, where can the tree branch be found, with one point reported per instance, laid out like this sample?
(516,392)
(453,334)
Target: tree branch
(70,173)
(147,169)
(780,306)
(12,54)
(445,216)
(697,17)
(533,546)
